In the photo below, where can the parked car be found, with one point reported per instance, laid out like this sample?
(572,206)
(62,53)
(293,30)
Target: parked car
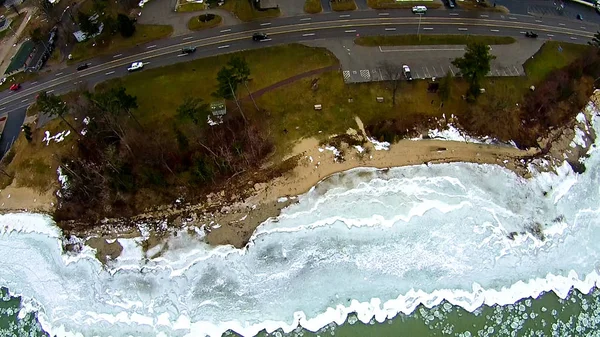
(135,66)
(531,34)
(83,66)
(15,87)
(259,36)
(450,3)
(419,9)
(188,50)
(406,72)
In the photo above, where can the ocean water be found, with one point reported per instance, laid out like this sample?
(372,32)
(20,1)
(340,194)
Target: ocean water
(398,249)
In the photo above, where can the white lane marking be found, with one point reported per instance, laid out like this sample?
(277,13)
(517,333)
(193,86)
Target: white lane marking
(2,108)
(463,29)
(351,31)
(494,30)
(265,24)
(454,14)
(49,91)
(561,24)
(25,100)
(383,14)
(484,16)
(180,55)
(306,19)
(118,55)
(550,35)
(345,16)
(573,38)
(226,30)
(187,38)
(109,73)
(152,46)
(265,40)
(309,34)
(582,27)
(428,28)
(32,83)
(512,18)
(390,29)
(538,21)
(225,46)
(144,63)
(522,32)
(58,74)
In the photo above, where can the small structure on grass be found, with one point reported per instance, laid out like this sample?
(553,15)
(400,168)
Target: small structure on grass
(218,108)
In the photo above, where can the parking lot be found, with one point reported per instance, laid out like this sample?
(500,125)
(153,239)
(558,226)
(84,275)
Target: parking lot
(364,64)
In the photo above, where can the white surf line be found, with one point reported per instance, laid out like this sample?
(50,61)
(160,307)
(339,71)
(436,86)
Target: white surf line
(383,14)
(222,47)
(152,46)
(427,28)
(58,74)
(390,29)
(226,30)
(494,30)
(350,31)
(265,24)
(109,73)
(453,14)
(187,38)
(309,34)
(463,29)
(305,19)
(118,55)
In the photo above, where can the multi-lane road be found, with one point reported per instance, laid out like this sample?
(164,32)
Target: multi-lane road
(287,30)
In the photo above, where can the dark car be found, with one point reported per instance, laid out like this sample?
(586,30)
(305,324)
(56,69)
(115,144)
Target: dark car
(531,35)
(82,66)
(259,36)
(188,50)
(450,3)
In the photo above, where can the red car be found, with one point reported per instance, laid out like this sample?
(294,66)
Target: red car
(15,87)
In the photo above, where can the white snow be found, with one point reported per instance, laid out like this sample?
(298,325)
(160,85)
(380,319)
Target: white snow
(59,137)
(379,146)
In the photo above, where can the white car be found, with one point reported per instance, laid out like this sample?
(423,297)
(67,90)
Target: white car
(419,10)
(406,72)
(135,66)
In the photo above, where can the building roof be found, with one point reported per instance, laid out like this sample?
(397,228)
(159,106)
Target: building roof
(38,54)
(18,61)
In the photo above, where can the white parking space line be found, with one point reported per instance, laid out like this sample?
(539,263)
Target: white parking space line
(345,16)
(494,30)
(462,29)
(390,29)
(118,55)
(383,14)
(58,74)
(222,47)
(452,71)
(305,19)
(427,28)
(454,14)
(265,24)
(187,38)
(350,31)
(110,72)
(309,34)
(150,47)
(226,30)
(517,70)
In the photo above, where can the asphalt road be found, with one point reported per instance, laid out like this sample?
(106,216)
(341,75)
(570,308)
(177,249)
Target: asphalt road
(288,30)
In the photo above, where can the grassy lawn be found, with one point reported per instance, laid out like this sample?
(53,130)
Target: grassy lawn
(482,6)
(410,40)
(196,23)
(244,11)
(191,7)
(110,44)
(549,58)
(343,5)
(20,77)
(160,91)
(15,24)
(391,4)
(313,6)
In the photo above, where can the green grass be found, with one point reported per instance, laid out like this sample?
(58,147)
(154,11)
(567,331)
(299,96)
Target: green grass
(481,6)
(343,5)
(391,4)
(15,24)
(244,11)
(20,77)
(191,7)
(196,24)
(110,44)
(549,58)
(160,91)
(313,6)
(411,40)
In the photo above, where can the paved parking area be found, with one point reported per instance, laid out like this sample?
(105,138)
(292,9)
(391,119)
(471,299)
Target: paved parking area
(364,64)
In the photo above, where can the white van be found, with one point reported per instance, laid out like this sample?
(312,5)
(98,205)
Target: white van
(419,10)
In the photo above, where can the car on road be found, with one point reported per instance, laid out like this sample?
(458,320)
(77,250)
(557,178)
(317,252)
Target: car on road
(406,72)
(136,66)
(579,17)
(259,36)
(188,50)
(83,66)
(15,87)
(419,9)
(531,34)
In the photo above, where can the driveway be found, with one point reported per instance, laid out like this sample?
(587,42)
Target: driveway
(161,12)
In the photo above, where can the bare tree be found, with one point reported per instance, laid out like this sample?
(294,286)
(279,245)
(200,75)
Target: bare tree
(393,75)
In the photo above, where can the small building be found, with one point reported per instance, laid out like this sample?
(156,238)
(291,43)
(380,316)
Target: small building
(218,108)
(19,61)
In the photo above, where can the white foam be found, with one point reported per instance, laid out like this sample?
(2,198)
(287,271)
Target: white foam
(379,146)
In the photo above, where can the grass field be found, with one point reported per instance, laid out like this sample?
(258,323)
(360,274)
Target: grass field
(481,6)
(106,44)
(313,6)
(391,4)
(409,40)
(20,77)
(343,5)
(244,11)
(191,7)
(196,24)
